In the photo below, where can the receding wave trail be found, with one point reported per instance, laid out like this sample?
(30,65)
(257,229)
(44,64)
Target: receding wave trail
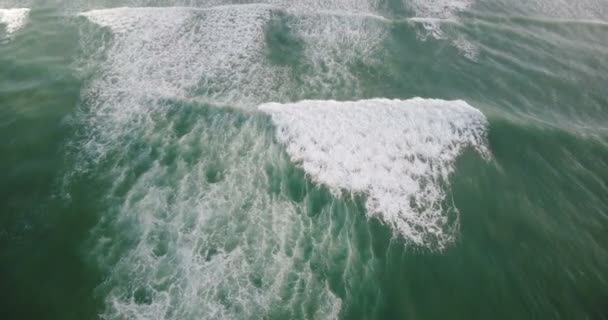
(399,153)
(13,19)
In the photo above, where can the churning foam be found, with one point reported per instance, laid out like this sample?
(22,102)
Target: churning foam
(219,54)
(216,54)
(13,19)
(399,153)
(295,5)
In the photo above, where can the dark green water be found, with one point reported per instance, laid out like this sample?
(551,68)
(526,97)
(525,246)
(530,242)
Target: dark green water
(139,181)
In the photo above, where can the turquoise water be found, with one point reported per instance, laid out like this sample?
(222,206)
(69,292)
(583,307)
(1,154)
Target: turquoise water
(141,179)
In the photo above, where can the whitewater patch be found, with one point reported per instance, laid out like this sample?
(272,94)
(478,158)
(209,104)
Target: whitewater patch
(13,19)
(353,6)
(400,153)
(216,54)
(315,6)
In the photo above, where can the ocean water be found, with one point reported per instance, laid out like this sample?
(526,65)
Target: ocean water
(283,159)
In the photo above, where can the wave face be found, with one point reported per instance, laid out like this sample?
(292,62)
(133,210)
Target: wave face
(399,153)
(13,19)
(220,55)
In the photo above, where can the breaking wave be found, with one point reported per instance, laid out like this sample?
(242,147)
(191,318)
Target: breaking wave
(400,153)
(203,218)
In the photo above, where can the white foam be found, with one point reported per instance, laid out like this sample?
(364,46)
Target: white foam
(399,153)
(295,5)
(315,6)
(435,12)
(218,54)
(14,19)
(174,52)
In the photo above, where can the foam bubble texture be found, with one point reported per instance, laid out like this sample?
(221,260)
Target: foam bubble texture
(13,19)
(218,54)
(350,6)
(214,54)
(296,5)
(399,153)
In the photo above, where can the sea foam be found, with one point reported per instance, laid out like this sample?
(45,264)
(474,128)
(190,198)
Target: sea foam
(398,153)
(13,19)
(441,9)
(216,54)
(219,54)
